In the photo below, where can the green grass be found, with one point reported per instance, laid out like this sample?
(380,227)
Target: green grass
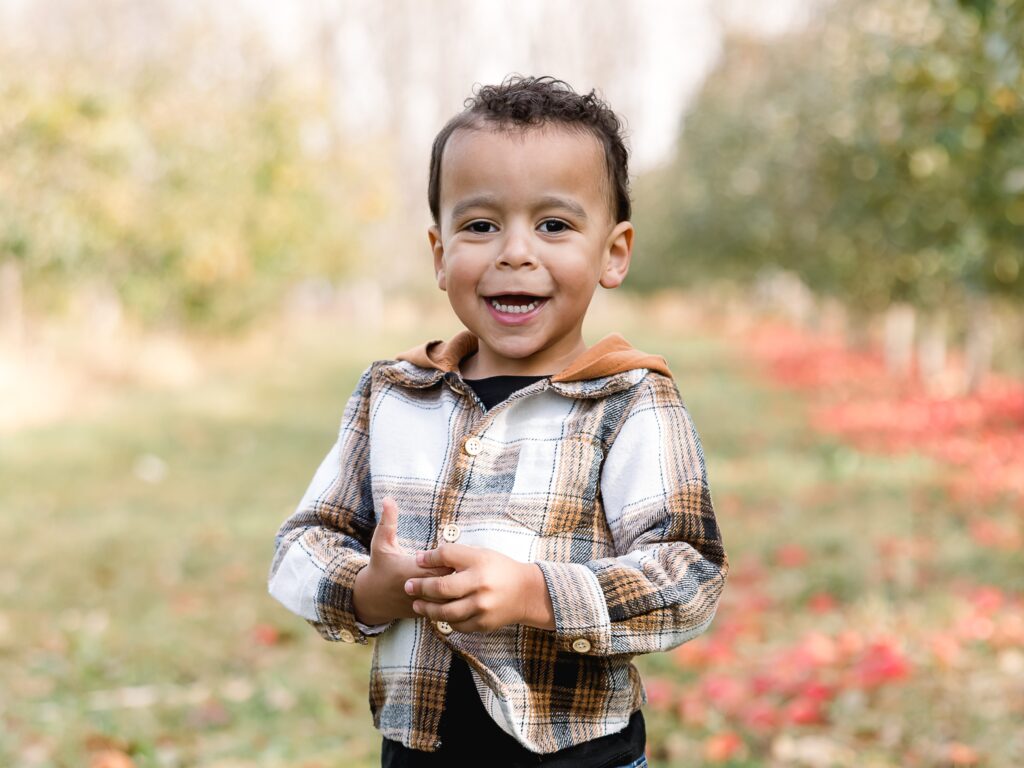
(128,608)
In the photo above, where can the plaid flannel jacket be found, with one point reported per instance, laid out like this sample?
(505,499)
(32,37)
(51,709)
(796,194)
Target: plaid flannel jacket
(596,474)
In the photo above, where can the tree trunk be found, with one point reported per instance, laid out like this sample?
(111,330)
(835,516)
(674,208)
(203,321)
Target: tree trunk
(899,338)
(858,334)
(978,347)
(833,317)
(931,351)
(12,318)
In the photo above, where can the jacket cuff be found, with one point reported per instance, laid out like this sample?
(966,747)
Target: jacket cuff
(335,601)
(373,629)
(581,613)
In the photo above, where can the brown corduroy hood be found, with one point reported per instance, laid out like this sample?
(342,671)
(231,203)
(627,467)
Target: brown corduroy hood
(612,354)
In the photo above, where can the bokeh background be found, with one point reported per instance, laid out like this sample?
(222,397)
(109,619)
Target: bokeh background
(213,216)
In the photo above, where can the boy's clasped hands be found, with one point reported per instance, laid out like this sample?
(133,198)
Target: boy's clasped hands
(474,589)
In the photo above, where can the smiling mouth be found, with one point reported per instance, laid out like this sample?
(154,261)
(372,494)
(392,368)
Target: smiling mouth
(515,303)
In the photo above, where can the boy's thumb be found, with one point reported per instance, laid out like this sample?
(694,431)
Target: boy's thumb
(389,520)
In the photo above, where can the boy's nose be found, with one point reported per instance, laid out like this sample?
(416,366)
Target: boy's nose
(516,250)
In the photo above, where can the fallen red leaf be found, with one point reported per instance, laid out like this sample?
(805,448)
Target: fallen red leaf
(761,717)
(805,711)
(961,754)
(822,602)
(722,746)
(110,758)
(881,663)
(266,634)
(791,556)
(660,693)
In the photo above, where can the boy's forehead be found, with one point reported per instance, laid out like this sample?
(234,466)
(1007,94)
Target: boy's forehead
(519,162)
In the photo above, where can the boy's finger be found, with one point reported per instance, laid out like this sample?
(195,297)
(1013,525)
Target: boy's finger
(440,588)
(425,572)
(452,612)
(457,556)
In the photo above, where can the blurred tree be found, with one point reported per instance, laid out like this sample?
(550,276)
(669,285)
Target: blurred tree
(878,153)
(195,188)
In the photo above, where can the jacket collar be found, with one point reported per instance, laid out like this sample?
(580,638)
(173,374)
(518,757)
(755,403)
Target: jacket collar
(610,365)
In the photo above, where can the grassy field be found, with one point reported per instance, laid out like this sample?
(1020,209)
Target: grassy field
(135,625)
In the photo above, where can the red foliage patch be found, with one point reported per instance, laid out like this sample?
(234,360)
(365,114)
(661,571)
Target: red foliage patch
(979,436)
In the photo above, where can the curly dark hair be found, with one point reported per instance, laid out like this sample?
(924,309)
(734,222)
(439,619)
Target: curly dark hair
(524,102)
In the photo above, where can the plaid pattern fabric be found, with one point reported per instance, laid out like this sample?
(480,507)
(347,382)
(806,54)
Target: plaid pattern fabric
(601,482)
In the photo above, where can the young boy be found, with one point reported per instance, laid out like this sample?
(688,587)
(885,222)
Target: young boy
(511,513)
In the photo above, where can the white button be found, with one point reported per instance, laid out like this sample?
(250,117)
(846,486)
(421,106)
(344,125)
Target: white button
(444,628)
(473,446)
(450,532)
(347,636)
(581,645)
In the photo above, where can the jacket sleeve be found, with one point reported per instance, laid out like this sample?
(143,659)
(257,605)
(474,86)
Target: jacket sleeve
(321,547)
(663,586)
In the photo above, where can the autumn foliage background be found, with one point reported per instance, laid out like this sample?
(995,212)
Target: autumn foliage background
(200,251)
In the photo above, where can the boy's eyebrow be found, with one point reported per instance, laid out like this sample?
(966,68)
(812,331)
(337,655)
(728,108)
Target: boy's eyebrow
(492,201)
(552,201)
(482,201)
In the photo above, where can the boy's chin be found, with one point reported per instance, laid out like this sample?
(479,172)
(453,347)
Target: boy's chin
(513,349)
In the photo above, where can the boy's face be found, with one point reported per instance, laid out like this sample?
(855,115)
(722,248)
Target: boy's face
(526,235)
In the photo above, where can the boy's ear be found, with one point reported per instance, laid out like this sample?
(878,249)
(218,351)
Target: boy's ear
(437,248)
(618,251)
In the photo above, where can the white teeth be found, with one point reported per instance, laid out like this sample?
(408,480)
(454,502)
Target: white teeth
(512,309)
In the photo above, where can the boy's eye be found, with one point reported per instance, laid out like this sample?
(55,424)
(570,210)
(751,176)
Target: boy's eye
(561,226)
(480,227)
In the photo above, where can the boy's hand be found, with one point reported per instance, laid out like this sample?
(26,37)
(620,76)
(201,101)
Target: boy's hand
(379,594)
(487,591)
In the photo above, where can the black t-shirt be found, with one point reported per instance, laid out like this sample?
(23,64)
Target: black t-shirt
(468,734)
(494,389)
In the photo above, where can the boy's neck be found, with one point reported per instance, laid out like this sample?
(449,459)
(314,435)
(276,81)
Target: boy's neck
(485,363)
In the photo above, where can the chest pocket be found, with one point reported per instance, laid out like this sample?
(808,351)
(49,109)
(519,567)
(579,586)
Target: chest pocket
(556,484)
